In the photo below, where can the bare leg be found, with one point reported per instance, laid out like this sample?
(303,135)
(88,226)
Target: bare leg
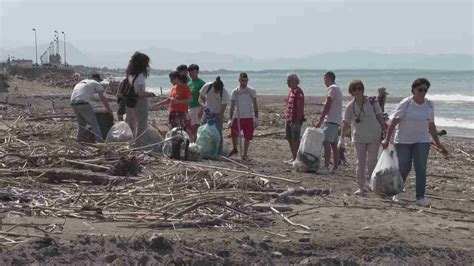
(234,147)
(293,147)
(194,129)
(246,147)
(327,153)
(234,143)
(131,120)
(335,155)
(297,146)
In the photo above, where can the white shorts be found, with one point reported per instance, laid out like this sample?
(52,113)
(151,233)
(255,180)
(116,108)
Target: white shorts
(194,115)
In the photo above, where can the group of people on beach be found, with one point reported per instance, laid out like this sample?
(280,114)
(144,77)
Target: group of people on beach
(193,102)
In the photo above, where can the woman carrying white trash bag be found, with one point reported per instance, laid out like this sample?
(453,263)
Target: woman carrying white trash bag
(364,115)
(413,123)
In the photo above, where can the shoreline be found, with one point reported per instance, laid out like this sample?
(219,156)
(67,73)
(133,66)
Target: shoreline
(21,91)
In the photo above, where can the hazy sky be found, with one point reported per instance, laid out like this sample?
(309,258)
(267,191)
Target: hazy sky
(257,28)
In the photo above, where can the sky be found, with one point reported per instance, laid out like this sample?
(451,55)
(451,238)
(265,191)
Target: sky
(262,29)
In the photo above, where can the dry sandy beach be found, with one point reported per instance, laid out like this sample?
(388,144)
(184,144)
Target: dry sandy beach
(332,228)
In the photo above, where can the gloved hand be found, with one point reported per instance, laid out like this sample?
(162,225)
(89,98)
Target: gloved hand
(341,143)
(229,124)
(255,122)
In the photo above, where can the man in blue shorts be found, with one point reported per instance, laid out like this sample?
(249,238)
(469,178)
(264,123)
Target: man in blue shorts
(330,120)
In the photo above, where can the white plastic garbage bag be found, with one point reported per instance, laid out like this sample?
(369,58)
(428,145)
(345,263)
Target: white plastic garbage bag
(194,152)
(119,132)
(177,144)
(151,139)
(309,152)
(386,179)
(208,140)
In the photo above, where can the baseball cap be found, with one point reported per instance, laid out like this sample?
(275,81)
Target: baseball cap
(96,76)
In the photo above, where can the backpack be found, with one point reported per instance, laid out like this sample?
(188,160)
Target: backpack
(120,89)
(430,104)
(129,95)
(210,87)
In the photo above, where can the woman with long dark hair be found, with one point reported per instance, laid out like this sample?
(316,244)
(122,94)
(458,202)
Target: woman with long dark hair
(137,71)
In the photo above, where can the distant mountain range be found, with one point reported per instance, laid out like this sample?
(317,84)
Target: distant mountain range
(163,58)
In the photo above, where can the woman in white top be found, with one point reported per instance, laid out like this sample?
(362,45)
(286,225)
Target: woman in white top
(137,72)
(364,115)
(413,123)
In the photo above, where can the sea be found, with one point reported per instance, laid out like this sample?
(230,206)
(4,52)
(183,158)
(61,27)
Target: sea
(452,92)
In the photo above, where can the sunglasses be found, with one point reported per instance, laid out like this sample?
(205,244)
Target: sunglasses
(422,90)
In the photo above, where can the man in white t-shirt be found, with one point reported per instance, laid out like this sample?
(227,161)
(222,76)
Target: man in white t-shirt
(81,98)
(244,102)
(330,120)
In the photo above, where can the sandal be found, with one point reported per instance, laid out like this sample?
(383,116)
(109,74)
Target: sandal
(234,151)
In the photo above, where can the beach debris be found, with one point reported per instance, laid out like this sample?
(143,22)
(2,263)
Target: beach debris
(127,165)
(289,221)
(46,173)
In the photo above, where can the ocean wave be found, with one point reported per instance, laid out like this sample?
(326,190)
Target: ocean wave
(454,122)
(450,97)
(158,90)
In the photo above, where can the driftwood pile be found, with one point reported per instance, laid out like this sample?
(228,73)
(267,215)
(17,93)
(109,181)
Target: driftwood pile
(63,81)
(44,173)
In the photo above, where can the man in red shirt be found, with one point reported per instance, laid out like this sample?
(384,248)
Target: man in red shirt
(294,114)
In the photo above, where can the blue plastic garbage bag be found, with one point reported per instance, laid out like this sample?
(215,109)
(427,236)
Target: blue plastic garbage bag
(208,140)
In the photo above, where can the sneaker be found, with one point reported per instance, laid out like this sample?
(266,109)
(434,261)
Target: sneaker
(323,171)
(289,161)
(423,202)
(397,197)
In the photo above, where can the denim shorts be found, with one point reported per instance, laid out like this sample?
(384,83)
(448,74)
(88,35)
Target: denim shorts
(331,132)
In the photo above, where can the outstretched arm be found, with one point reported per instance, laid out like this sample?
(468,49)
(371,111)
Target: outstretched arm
(104,100)
(434,135)
(327,107)
(390,130)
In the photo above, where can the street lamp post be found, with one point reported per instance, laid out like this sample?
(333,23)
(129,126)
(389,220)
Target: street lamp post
(51,44)
(65,62)
(56,34)
(36,47)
